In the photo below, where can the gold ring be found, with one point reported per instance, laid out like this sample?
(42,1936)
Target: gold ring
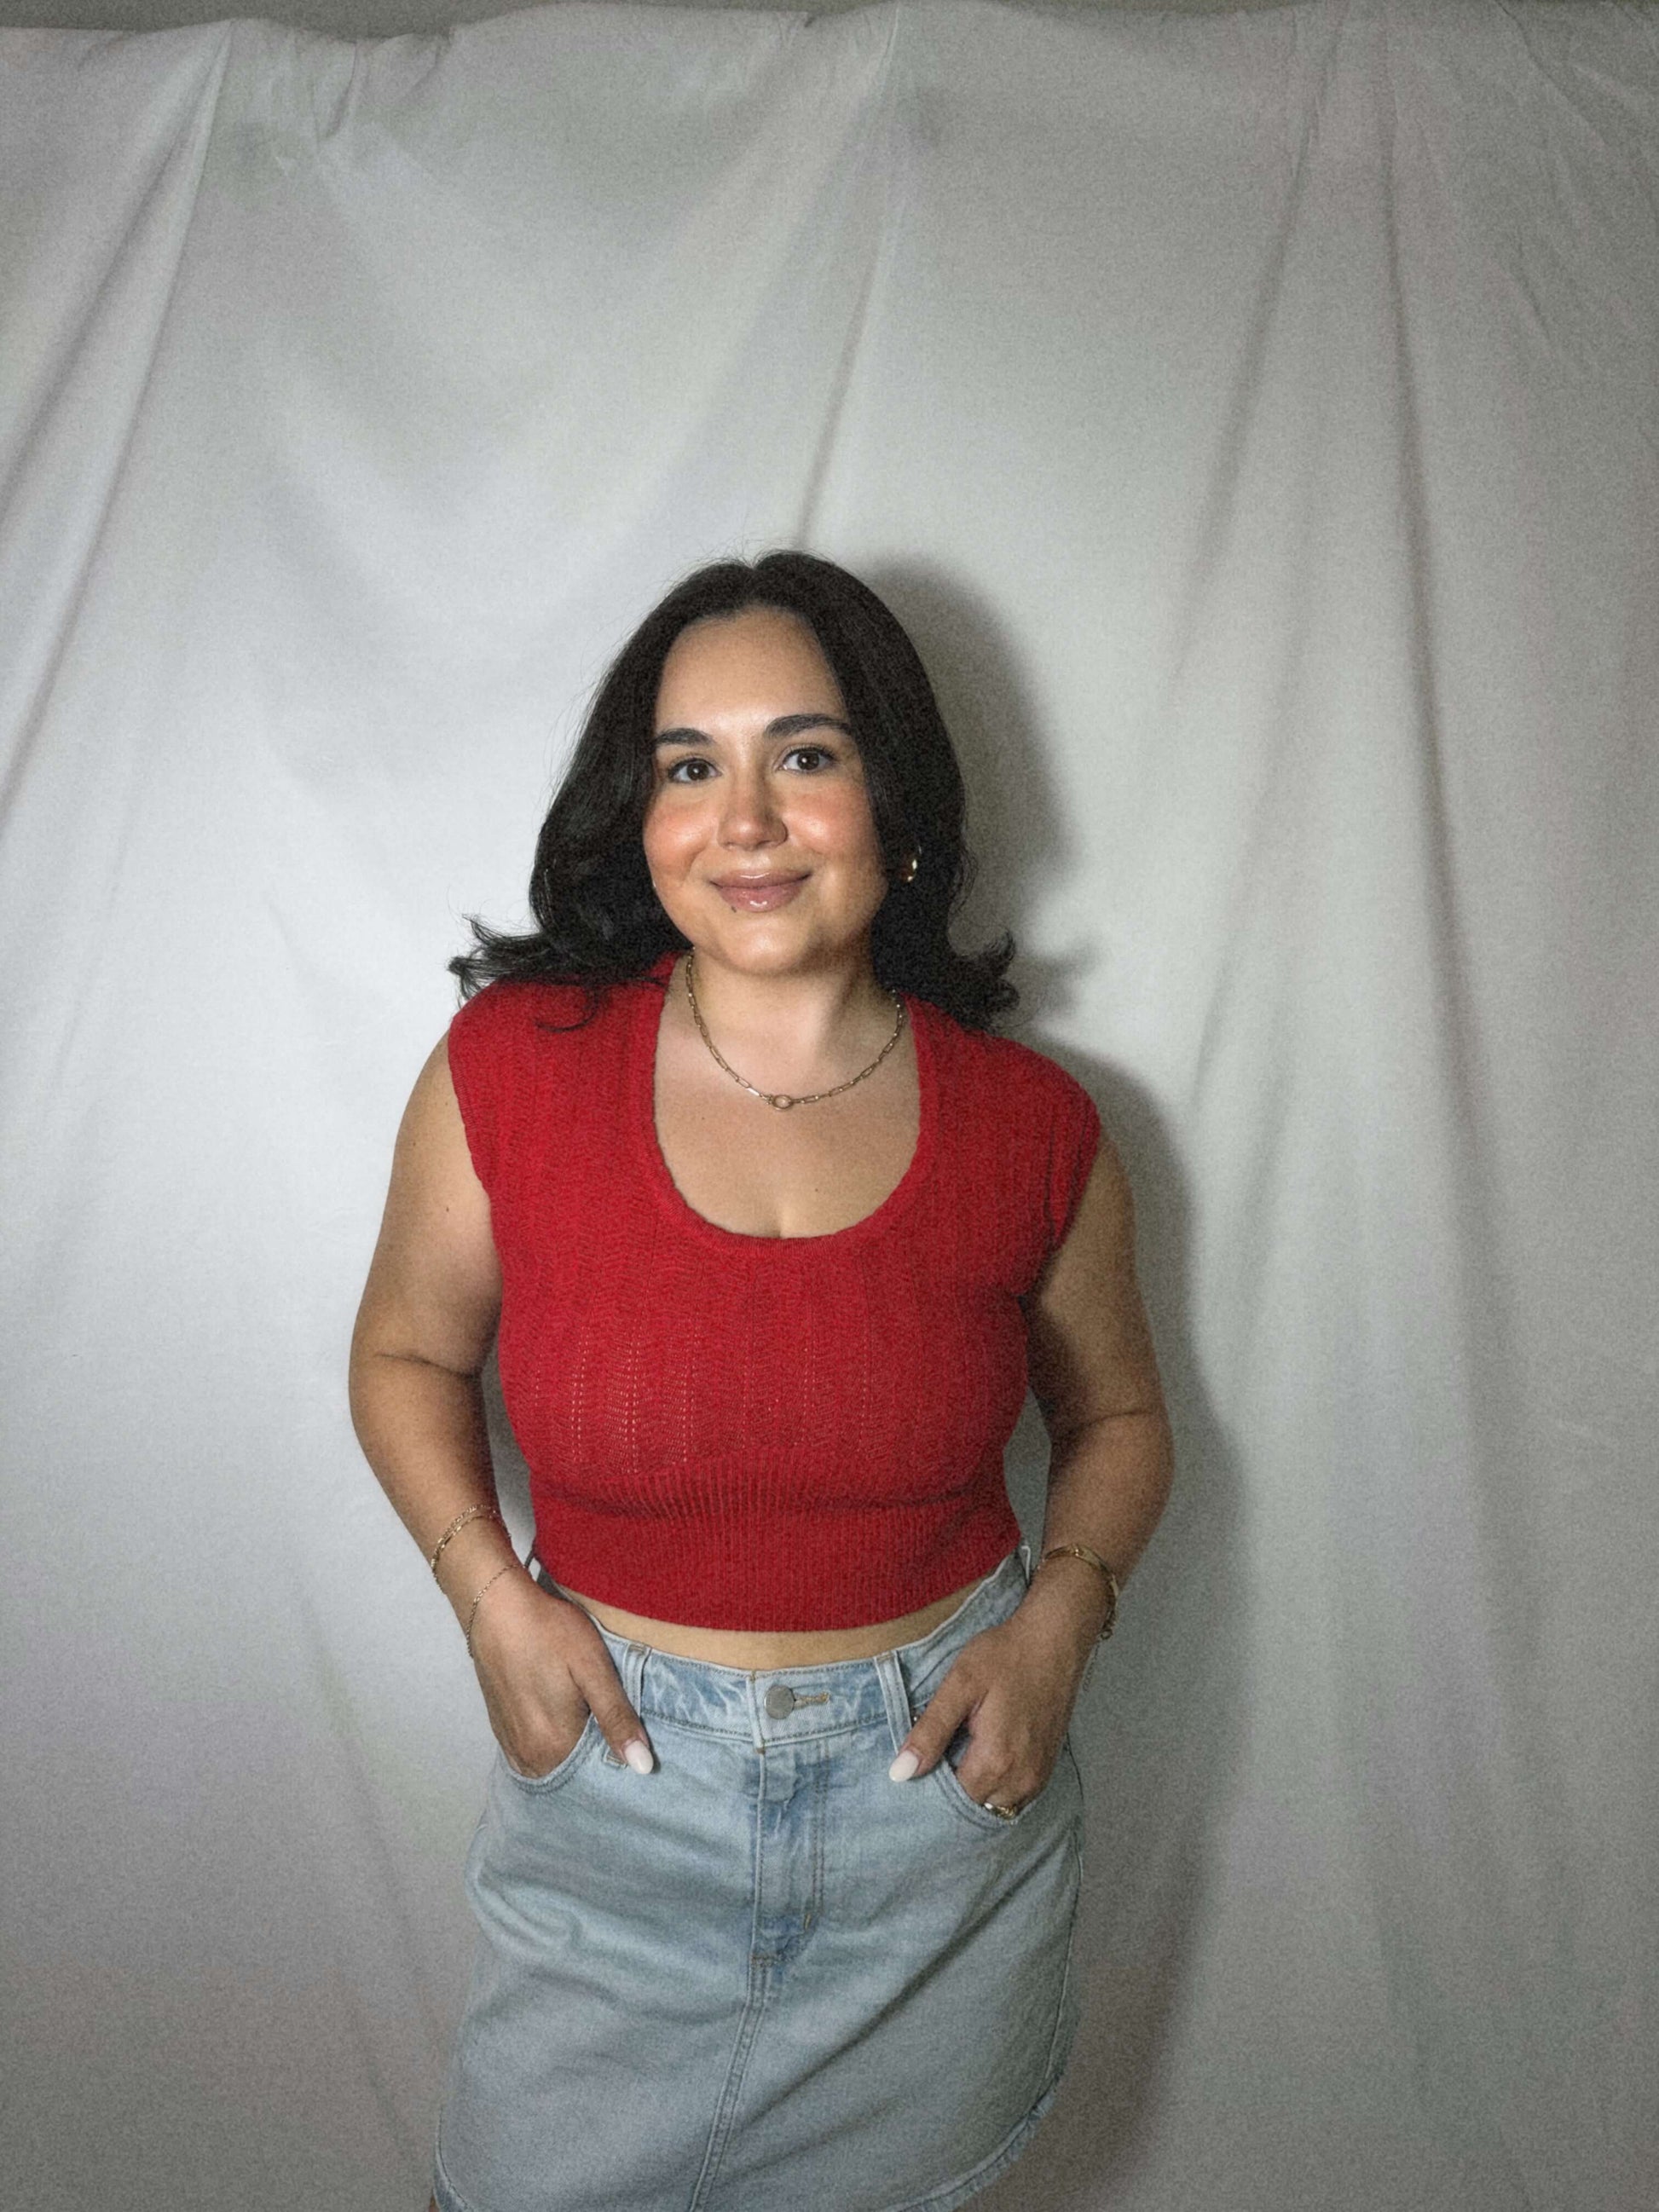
(1002,1812)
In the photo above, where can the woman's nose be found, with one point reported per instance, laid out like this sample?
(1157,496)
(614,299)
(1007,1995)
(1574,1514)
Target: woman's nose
(749,813)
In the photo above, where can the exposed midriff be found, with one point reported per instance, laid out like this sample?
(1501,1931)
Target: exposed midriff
(787,1647)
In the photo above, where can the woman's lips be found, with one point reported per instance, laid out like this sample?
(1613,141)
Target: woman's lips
(759,898)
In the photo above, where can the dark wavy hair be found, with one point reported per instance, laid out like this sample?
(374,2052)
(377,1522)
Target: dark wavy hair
(600,921)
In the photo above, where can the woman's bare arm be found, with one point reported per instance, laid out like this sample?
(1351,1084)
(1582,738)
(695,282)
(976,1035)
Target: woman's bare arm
(1094,1375)
(423,1332)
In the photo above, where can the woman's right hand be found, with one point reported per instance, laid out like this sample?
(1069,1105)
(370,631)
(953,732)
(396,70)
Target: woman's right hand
(544,1666)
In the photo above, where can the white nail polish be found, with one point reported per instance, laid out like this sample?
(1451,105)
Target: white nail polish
(903,1767)
(638,1755)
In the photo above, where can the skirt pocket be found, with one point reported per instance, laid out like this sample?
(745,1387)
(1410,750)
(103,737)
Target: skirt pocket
(539,1785)
(950,1783)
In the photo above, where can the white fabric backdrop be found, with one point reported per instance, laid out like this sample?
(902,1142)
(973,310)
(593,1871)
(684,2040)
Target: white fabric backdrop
(1256,419)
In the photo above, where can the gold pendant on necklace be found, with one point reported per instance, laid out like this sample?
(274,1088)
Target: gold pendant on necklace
(783,1099)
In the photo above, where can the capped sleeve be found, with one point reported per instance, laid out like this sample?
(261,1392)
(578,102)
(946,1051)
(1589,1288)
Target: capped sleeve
(481,1054)
(1074,1139)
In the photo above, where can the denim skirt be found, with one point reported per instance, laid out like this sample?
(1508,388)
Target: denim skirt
(764,1978)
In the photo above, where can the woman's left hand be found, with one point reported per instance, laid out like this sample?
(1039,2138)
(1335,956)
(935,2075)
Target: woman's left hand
(1015,1686)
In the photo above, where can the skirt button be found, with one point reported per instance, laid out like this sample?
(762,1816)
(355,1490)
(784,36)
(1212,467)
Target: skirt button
(779,1701)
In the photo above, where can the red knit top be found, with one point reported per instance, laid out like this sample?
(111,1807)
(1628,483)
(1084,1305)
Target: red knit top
(756,1432)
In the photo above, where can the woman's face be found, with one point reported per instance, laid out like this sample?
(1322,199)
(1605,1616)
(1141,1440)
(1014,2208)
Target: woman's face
(758,832)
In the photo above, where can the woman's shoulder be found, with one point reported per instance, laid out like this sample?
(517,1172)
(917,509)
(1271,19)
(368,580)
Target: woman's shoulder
(518,1039)
(1020,1116)
(1014,1105)
(512,1003)
(513,1013)
(1008,1066)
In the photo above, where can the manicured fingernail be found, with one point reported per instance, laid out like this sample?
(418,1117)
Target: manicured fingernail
(638,1755)
(905,1767)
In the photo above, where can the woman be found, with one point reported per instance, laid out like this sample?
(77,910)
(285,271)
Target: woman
(778,1869)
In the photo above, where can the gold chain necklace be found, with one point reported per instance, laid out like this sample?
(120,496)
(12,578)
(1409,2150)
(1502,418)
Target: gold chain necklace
(783,1099)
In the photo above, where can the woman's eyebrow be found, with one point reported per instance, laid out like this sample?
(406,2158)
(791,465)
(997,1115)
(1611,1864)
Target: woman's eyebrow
(785,725)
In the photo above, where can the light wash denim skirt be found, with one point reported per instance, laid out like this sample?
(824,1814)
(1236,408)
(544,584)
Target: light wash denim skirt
(764,1978)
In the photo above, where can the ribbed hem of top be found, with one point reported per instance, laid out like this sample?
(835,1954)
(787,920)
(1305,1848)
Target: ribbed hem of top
(814,1569)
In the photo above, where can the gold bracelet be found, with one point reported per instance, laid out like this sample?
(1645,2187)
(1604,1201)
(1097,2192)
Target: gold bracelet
(1094,1559)
(478,1601)
(472,1513)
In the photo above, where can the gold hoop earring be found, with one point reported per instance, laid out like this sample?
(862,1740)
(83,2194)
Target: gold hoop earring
(910,867)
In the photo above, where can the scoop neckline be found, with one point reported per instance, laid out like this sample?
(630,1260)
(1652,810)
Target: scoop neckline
(644,1031)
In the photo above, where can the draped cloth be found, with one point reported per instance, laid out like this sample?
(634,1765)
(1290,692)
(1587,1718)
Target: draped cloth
(1254,418)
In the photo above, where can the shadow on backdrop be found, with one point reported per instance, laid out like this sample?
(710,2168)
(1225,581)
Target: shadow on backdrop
(1156,1729)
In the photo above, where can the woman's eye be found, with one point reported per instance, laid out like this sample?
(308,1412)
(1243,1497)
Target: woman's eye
(815,758)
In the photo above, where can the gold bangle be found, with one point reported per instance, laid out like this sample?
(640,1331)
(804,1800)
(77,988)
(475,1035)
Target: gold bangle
(1094,1559)
(472,1513)
(478,1601)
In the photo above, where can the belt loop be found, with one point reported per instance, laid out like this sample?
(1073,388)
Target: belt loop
(757,1733)
(632,1675)
(895,1695)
